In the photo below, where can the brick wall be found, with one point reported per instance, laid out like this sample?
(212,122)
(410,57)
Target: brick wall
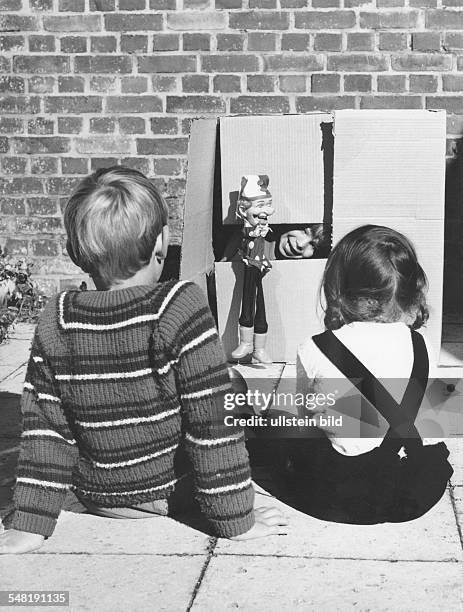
(88,83)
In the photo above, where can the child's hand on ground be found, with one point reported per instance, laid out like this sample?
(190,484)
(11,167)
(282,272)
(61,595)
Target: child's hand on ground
(16,542)
(269,521)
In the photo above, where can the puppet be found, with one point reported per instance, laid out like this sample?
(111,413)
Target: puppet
(254,207)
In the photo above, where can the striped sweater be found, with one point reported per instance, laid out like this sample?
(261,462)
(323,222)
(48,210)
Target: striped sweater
(124,394)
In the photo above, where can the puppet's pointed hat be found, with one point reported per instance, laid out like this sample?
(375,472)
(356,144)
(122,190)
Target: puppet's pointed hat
(254,187)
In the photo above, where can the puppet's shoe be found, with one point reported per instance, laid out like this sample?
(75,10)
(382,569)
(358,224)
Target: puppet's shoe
(245,347)
(259,352)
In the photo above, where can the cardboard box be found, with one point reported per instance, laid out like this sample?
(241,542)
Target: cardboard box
(389,169)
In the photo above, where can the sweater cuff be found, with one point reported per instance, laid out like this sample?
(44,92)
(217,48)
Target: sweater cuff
(232,528)
(32,523)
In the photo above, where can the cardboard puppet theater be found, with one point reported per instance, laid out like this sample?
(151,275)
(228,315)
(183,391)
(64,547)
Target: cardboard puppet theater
(342,170)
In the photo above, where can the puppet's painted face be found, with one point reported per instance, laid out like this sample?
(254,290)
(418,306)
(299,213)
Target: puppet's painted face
(255,212)
(297,244)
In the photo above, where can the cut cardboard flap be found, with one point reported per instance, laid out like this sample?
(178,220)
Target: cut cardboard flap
(286,148)
(197,257)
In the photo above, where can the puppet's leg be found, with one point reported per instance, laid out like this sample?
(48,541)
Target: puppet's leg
(248,309)
(260,326)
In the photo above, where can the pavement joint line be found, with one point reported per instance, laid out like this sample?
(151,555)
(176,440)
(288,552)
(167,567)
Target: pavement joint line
(455,512)
(210,554)
(45,553)
(326,558)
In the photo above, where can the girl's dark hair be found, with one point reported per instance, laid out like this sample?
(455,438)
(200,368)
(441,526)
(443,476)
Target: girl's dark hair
(373,274)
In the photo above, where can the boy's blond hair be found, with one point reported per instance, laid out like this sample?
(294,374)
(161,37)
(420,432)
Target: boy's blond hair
(112,221)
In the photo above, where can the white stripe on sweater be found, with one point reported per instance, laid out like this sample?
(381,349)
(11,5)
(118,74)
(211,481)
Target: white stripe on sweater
(105,375)
(48,398)
(120,324)
(129,462)
(190,345)
(136,492)
(213,441)
(204,392)
(225,489)
(49,433)
(37,359)
(42,483)
(130,421)
(28,386)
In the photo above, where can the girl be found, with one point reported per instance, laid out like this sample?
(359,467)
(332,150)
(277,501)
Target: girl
(368,464)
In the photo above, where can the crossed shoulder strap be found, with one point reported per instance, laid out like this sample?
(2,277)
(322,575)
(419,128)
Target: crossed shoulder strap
(401,417)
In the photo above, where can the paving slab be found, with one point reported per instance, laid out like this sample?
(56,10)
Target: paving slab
(85,533)
(15,381)
(433,537)
(100,583)
(255,584)
(455,446)
(457,494)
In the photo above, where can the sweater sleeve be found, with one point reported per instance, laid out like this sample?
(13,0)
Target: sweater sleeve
(217,451)
(47,451)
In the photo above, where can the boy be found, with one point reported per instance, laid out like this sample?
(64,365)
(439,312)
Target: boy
(124,390)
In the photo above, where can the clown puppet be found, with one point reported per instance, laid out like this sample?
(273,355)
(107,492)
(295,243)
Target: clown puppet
(254,207)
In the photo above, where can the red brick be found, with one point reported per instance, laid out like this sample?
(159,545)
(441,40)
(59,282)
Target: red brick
(360,41)
(74,165)
(143,22)
(396,102)
(229,63)
(162,146)
(444,20)
(70,84)
(293,83)
(460,62)
(414,62)
(392,41)
(230,42)
(326,3)
(41,85)
(134,44)
(72,23)
(14,165)
(16,247)
(44,165)
(103,162)
(42,206)
(102,125)
(61,185)
(133,104)
(347,62)
(166,42)
(167,63)
(12,206)
(73,44)
(11,5)
(103,84)
(102,5)
(262,4)
(324,20)
(31,225)
(259,20)
(106,64)
(45,248)
(17,23)
(135,84)
(40,125)
(424,3)
(227,83)
(5,64)
(391,83)
(228,4)
(73,104)
(389,19)
(163,83)
(69,125)
(327,41)
(426,41)
(293,3)
(195,83)
(4,144)
(452,82)
(196,42)
(103,44)
(20,186)
(164,125)
(292,63)
(423,83)
(262,41)
(41,5)
(11,125)
(167,167)
(260,83)
(10,84)
(18,105)
(296,42)
(41,44)
(137,163)
(132,125)
(34,145)
(195,104)
(325,83)
(323,103)
(197,20)
(11,43)
(41,64)
(132,5)
(453,40)
(259,105)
